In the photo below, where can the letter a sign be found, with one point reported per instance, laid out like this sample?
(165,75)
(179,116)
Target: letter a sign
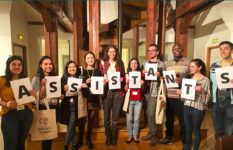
(21,89)
(151,70)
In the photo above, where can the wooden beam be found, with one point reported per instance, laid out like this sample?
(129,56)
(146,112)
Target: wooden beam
(132,12)
(120,27)
(151,23)
(94,23)
(162,27)
(51,43)
(47,19)
(79,28)
(182,26)
(62,16)
(139,4)
(135,42)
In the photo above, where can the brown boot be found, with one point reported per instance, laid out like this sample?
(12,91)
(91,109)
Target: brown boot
(147,137)
(154,140)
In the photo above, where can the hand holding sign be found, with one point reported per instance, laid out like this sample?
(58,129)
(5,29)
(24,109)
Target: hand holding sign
(53,86)
(188,89)
(134,79)
(21,92)
(170,79)
(114,80)
(74,85)
(151,71)
(224,76)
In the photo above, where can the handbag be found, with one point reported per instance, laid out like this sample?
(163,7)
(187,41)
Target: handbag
(44,126)
(82,105)
(161,104)
(126,102)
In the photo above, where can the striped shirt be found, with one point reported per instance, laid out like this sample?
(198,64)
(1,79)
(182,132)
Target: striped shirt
(182,67)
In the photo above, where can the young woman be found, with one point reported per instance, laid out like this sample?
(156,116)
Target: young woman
(45,68)
(135,103)
(69,110)
(113,99)
(90,69)
(194,110)
(16,120)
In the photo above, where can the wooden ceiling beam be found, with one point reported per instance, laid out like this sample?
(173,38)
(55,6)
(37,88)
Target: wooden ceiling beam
(132,12)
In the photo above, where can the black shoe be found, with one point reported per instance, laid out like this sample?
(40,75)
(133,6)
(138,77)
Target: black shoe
(80,143)
(74,147)
(89,144)
(129,140)
(108,140)
(66,147)
(166,141)
(136,140)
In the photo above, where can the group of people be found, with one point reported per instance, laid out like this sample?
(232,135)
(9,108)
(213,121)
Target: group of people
(17,119)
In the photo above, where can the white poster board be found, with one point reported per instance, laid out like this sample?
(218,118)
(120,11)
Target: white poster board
(134,80)
(97,85)
(224,76)
(188,89)
(53,86)
(169,77)
(21,88)
(114,80)
(151,70)
(74,85)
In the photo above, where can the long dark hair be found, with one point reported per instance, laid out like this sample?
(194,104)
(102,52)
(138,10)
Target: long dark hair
(201,64)
(95,65)
(8,73)
(138,68)
(40,71)
(119,62)
(66,73)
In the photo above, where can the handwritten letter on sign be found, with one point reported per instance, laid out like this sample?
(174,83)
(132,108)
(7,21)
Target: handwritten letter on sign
(114,80)
(224,77)
(151,70)
(134,79)
(170,76)
(97,85)
(74,85)
(187,89)
(21,89)
(53,86)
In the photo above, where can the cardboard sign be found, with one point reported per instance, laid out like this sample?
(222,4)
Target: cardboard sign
(21,88)
(134,79)
(187,89)
(170,76)
(97,85)
(224,76)
(53,86)
(114,80)
(151,70)
(74,85)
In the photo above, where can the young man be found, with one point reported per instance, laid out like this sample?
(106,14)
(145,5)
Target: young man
(151,93)
(222,99)
(174,104)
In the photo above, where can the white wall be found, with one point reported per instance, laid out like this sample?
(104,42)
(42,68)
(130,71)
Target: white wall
(5,35)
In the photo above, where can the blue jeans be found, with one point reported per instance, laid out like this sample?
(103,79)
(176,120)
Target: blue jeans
(222,114)
(133,113)
(192,120)
(71,132)
(15,128)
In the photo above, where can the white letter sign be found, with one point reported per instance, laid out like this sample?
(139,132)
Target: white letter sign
(224,76)
(74,85)
(151,70)
(114,80)
(97,85)
(53,86)
(21,89)
(187,89)
(170,76)
(134,79)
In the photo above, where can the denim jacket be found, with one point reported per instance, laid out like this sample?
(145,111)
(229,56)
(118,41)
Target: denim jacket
(213,81)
